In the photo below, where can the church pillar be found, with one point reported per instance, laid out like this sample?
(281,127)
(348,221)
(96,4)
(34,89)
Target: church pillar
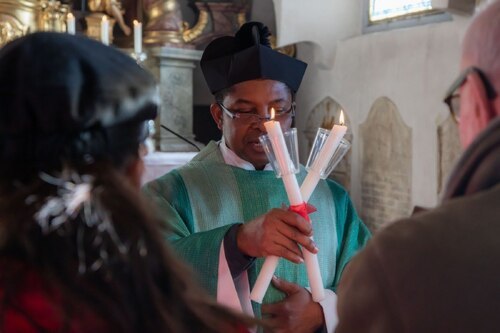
(173,68)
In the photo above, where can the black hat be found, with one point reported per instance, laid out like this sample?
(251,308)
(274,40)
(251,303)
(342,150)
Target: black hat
(248,56)
(63,97)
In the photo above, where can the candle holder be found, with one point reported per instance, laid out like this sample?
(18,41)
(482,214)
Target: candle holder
(140,58)
(293,150)
(319,141)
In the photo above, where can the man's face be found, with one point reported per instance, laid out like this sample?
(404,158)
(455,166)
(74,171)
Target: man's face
(255,96)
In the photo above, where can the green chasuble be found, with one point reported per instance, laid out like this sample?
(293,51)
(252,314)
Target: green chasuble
(203,199)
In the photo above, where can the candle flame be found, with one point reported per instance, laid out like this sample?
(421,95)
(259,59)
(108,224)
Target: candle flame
(136,22)
(272,113)
(70,16)
(104,18)
(341,118)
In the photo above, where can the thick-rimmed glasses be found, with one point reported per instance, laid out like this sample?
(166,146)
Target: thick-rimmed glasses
(452,98)
(252,118)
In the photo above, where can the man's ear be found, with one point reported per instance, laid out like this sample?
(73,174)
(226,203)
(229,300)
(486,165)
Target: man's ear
(216,112)
(483,108)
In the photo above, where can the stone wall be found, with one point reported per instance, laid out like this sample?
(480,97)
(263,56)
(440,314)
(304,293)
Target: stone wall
(386,165)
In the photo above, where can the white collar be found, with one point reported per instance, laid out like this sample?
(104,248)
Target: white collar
(230,158)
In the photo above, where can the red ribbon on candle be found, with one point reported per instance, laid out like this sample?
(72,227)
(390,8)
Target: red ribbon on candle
(304,209)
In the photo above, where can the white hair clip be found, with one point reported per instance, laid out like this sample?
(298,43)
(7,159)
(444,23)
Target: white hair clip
(78,198)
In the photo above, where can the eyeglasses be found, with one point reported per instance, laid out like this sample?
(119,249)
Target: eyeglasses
(452,98)
(253,118)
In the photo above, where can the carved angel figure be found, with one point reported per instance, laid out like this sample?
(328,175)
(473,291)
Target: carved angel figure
(10,29)
(112,8)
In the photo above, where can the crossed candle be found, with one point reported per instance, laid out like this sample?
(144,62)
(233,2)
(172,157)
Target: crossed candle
(277,152)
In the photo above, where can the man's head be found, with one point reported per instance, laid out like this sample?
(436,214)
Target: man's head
(480,87)
(240,129)
(248,78)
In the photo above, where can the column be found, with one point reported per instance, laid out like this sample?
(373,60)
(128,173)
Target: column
(173,68)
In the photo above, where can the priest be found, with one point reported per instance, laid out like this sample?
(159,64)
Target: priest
(225,208)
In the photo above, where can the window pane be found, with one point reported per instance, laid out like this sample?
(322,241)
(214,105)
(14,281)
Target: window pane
(385,9)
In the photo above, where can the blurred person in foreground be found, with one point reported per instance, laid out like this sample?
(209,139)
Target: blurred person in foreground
(79,249)
(438,271)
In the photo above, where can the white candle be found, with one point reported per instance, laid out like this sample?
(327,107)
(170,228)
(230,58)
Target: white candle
(137,37)
(105,30)
(264,278)
(277,139)
(323,158)
(70,24)
(308,186)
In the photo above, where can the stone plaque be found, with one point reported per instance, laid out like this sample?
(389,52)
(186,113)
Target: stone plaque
(324,115)
(386,165)
(449,150)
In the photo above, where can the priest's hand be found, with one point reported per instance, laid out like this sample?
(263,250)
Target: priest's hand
(276,233)
(297,313)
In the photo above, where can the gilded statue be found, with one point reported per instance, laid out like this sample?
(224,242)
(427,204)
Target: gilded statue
(10,29)
(51,15)
(112,8)
(165,25)
(19,17)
